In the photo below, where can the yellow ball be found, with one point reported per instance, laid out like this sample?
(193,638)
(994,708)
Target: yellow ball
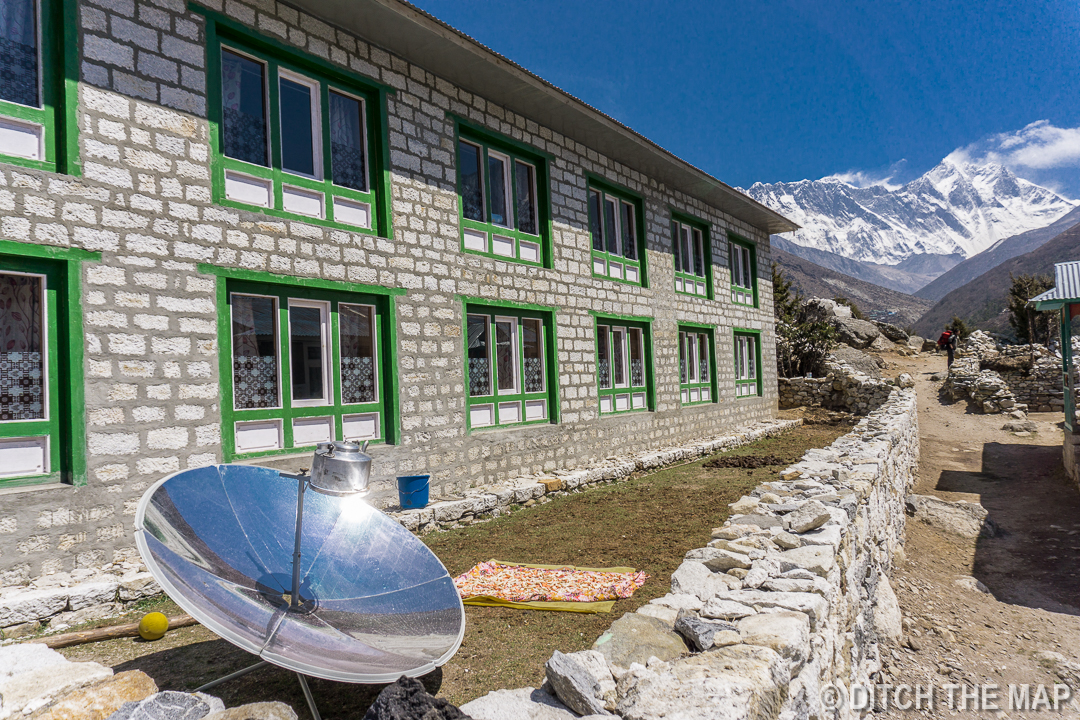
(153,626)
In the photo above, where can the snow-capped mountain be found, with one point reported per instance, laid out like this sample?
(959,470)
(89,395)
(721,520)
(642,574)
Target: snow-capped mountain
(953,208)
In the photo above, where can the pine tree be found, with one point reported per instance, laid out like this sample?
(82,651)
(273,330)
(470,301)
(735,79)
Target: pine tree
(804,335)
(1025,287)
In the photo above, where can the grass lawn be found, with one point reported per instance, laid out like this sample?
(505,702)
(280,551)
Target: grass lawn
(648,522)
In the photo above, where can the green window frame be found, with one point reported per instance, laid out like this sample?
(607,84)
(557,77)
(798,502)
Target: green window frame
(747,357)
(503,198)
(742,256)
(42,431)
(697,365)
(692,255)
(510,372)
(624,365)
(303,365)
(293,136)
(617,233)
(39,85)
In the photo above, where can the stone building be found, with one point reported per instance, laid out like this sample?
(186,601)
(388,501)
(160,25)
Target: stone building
(230,229)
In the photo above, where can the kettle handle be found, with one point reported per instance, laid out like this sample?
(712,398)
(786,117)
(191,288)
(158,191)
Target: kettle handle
(363,448)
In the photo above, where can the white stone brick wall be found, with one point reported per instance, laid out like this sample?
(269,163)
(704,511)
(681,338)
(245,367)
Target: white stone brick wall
(150,318)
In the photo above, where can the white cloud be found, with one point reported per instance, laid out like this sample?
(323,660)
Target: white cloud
(869,178)
(1038,146)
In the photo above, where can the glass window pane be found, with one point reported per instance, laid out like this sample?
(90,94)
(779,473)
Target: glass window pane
(699,254)
(22,348)
(751,359)
(736,264)
(618,357)
(629,231)
(532,351)
(691,358)
(603,356)
(497,181)
(703,358)
(243,108)
(595,226)
(637,359)
(738,358)
(472,186)
(682,357)
(356,325)
(18,52)
(479,356)
(676,246)
(526,197)
(306,333)
(747,277)
(684,239)
(297,135)
(506,363)
(611,226)
(255,363)
(347,160)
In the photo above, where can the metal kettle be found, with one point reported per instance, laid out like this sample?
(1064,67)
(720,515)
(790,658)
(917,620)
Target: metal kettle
(341,468)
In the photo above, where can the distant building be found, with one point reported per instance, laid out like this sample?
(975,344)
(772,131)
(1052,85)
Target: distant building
(230,230)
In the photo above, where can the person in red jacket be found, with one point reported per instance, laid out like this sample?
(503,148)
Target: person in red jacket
(948,341)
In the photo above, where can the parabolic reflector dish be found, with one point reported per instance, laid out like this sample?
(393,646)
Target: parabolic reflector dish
(375,603)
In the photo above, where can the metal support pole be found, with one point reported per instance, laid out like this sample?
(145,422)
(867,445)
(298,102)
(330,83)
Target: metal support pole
(308,697)
(232,676)
(294,601)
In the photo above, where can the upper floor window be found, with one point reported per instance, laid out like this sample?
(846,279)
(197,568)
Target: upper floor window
(697,377)
(306,367)
(295,140)
(743,272)
(503,208)
(747,364)
(693,257)
(617,236)
(508,363)
(31,84)
(622,365)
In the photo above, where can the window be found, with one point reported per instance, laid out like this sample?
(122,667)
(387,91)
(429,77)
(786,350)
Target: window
(307,367)
(743,273)
(35,395)
(501,189)
(294,140)
(32,99)
(747,364)
(508,365)
(622,366)
(693,257)
(616,229)
(697,380)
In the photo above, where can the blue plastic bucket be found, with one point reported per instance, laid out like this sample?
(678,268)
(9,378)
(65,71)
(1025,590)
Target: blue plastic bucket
(413,491)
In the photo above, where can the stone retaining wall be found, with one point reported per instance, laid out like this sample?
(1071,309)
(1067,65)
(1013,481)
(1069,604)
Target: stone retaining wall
(792,594)
(842,389)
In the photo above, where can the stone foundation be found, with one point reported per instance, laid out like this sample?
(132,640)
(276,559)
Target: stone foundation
(1071,457)
(790,596)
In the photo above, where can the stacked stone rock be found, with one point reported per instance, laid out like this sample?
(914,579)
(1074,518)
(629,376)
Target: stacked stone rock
(986,390)
(66,599)
(791,594)
(843,388)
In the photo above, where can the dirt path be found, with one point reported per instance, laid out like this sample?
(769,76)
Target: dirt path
(956,634)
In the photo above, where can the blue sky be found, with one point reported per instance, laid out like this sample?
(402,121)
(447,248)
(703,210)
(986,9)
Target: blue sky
(788,89)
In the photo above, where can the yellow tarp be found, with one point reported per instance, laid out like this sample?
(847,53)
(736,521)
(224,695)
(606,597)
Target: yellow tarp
(581,607)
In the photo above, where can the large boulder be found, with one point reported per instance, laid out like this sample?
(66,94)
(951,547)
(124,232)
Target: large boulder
(738,682)
(100,701)
(893,332)
(407,699)
(786,632)
(857,360)
(521,704)
(959,518)
(37,688)
(830,307)
(581,681)
(854,333)
(634,638)
(887,619)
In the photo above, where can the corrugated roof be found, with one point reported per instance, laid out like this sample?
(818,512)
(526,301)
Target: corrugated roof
(1066,283)
(423,39)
